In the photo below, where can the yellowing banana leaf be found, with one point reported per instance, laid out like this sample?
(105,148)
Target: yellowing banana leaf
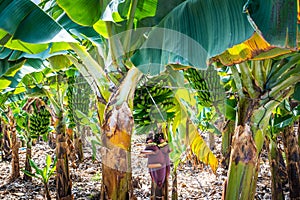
(201,150)
(255,48)
(298,10)
(26,47)
(243,51)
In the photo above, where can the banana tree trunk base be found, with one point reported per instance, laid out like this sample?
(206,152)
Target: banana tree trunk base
(116,174)
(116,154)
(79,149)
(243,167)
(116,180)
(63,180)
(27,164)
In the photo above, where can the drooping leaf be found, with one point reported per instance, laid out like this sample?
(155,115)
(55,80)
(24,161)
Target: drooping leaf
(251,48)
(59,62)
(20,15)
(200,27)
(274,20)
(14,72)
(201,150)
(192,33)
(81,32)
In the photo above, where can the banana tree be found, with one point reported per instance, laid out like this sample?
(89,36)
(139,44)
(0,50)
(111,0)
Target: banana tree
(185,20)
(29,75)
(55,94)
(34,120)
(261,86)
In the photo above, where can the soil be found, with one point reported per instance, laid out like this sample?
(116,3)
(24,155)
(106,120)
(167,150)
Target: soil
(194,182)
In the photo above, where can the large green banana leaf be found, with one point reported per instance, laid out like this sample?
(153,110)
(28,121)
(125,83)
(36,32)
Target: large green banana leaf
(82,32)
(191,33)
(196,31)
(84,12)
(146,12)
(275,20)
(23,24)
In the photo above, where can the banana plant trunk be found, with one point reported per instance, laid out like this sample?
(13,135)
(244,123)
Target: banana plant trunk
(14,147)
(255,106)
(275,160)
(78,144)
(292,153)
(244,165)
(63,180)
(28,157)
(117,126)
(116,157)
(6,144)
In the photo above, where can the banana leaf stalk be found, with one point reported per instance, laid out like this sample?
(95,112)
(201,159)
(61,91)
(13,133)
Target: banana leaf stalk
(227,134)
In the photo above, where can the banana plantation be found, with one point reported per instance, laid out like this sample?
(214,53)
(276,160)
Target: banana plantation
(149,99)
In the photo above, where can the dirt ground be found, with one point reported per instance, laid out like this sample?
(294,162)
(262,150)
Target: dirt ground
(193,182)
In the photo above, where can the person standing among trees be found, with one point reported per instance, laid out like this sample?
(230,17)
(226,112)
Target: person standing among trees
(157,151)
